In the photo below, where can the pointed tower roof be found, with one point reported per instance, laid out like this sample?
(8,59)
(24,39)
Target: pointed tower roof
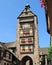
(26,12)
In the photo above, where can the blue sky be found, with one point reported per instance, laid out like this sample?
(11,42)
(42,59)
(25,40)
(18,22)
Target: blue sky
(10,10)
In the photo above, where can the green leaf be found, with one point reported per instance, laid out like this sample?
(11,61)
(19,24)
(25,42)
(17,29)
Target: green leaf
(50,52)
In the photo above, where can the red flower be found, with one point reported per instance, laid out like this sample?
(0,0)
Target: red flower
(26,33)
(22,41)
(29,40)
(30,49)
(23,49)
(43,3)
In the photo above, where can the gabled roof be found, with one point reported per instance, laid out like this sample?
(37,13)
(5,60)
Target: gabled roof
(2,45)
(26,12)
(43,51)
(10,44)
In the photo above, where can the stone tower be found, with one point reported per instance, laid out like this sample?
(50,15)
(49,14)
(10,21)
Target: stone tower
(27,37)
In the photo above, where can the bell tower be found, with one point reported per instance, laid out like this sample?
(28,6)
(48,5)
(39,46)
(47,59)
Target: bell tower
(27,37)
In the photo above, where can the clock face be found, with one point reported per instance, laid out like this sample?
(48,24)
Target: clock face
(25,25)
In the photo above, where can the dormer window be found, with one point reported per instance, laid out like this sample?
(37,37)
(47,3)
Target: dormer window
(26,13)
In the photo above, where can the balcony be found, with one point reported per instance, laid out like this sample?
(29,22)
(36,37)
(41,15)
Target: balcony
(22,41)
(27,50)
(30,41)
(25,33)
(26,41)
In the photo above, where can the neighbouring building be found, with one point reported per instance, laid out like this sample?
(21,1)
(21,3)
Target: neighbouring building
(49,15)
(48,12)
(7,57)
(26,47)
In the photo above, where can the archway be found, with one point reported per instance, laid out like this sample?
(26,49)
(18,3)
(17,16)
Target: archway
(26,61)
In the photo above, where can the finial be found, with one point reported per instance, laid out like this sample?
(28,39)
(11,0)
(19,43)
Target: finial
(27,6)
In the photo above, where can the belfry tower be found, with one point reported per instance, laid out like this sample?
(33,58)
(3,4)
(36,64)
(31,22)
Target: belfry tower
(27,37)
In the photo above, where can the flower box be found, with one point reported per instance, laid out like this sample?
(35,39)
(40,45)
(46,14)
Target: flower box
(29,40)
(25,32)
(23,49)
(22,41)
(29,49)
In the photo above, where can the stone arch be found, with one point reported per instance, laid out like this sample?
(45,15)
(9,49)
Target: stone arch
(26,60)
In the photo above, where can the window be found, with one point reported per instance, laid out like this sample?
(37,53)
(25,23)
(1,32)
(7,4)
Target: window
(9,56)
(26,31)
(23,48)
(14,50)
(10,64)
(20,26)
(31,24)
(7,63)
(4,63)
(22,40)
(30,39)
(21,31)
(0,53)
(31,31)
(29,48)
(25,25)
(0,56)
(4,54)
(26,13)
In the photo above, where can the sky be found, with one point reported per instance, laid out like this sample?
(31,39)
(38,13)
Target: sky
(10,10)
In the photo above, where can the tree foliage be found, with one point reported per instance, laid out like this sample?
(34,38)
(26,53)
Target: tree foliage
(50,52)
